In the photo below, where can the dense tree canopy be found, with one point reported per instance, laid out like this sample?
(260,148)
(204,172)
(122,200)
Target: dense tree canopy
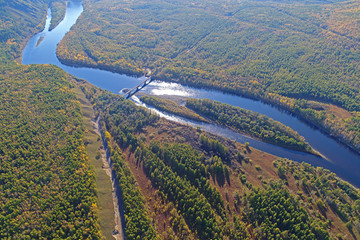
(249,122)
(185,177)
(291,48)
(47,189)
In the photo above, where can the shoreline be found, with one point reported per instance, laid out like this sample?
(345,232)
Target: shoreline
(327,132)
(24,41)
(168,97)
(53,25)
(312,124)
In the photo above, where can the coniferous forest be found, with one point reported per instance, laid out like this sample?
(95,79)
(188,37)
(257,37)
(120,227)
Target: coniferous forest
(80,162)
(47,187)
(216,188)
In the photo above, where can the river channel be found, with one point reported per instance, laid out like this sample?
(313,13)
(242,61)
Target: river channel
(41,49)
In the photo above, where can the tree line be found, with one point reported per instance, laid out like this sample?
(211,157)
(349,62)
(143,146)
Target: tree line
(249,122)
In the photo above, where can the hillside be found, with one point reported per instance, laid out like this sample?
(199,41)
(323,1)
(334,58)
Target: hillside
(196,185)
(47,187)
(62,172)
(251,48)
(18,20)
(287,53)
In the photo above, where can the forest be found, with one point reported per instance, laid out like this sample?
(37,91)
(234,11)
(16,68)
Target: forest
(249,122)
(249,48)
(337,121)
(241,120)
(47,187)
(291,50)
(177,182)
(138,225)
(216,188)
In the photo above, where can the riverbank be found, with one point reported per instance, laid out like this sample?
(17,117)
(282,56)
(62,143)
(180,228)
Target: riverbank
(250,169)
(31,32)
(226,75)
(113,69)
(341,160)
(248,165)
(277,102)
(267,98)
(58,9)
(174,105)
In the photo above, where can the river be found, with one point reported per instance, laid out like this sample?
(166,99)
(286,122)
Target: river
(41,49)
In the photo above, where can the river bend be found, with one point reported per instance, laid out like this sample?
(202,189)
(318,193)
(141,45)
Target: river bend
(41,49)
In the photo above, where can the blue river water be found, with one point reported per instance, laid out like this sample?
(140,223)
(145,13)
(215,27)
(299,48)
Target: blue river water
(41,49)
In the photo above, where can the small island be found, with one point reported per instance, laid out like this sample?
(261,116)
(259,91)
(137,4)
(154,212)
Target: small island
(250,123)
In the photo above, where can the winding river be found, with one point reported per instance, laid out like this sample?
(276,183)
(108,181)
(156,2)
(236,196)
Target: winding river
(41,49)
